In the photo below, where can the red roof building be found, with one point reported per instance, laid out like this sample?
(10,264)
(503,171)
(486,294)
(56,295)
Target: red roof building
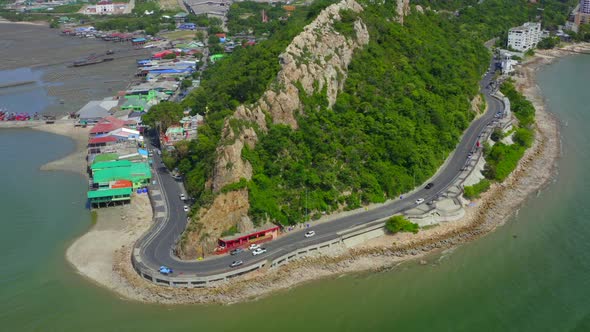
(108,124)
(243,240)
(102,139)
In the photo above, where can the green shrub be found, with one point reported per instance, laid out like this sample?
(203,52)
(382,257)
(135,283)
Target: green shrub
(474,191)
(231,231)
(397,224)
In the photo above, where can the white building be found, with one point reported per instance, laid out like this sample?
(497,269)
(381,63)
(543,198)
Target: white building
(105,7)
(525,37)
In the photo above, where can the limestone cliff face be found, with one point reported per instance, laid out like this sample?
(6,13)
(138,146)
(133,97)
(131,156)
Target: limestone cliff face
(403,9)
(317,58)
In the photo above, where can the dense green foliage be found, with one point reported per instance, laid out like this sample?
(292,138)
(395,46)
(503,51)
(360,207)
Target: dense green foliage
(403,108)
(163,114)
(398,224)
(548,43)
(474,191)
(492,18)
(73,8)
(583,33)
(502,159)
(522,108)
(239,78)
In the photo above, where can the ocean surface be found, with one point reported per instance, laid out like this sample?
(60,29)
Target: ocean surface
(533,274)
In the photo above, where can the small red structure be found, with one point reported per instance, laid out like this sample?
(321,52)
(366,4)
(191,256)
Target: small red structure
(243,240)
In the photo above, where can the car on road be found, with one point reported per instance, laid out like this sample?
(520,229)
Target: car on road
(182,197)
(254,246)
(310,234)
(165,270)
(236,263)
(236,251)
(429,185)
(259,251)
(185,208)
(419,201)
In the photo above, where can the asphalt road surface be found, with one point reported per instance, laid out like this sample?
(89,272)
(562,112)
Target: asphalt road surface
(159,249)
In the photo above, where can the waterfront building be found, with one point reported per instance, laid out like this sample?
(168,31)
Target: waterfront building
(95,110)
(109,197)
(524,37)
(139,174)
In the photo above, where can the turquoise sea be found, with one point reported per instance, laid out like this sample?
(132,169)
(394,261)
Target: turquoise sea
(533,274)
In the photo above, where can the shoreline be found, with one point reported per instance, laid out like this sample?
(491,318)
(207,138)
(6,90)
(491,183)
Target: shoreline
(534,172)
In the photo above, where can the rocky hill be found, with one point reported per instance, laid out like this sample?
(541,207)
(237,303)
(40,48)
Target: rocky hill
(316,60)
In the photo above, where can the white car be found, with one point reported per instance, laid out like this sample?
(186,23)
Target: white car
(185,208)
(254,246)
(259,251)
(182,197)
(419,201)
(310,234)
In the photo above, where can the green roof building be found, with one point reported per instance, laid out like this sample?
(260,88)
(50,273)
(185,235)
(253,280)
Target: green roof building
(138,173)
(105,157)
(108,197)
(110,164)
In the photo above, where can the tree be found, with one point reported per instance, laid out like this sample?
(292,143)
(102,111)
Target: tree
(165,114)
(186,84)
(170,56)
(548,43)
(398,224)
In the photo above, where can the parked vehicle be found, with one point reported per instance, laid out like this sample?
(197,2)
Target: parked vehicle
(310,234)
(419,201)
(185,208)
(236,251)
(259,251)
(182,197)
(236,263)
(429,185)
(254,246)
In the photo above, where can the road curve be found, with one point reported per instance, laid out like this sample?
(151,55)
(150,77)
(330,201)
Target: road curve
(157,246)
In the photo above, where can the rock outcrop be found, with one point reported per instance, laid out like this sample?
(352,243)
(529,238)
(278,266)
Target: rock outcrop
(315,60)
(403,9)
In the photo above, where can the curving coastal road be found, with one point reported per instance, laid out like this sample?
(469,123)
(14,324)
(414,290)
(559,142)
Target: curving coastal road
(157,246)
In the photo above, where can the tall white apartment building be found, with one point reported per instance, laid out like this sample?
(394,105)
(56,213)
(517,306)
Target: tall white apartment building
(524,37)
(585,6)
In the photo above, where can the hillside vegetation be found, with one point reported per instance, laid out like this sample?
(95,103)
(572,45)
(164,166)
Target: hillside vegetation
(405,103)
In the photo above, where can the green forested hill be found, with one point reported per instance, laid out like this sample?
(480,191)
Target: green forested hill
(405,104)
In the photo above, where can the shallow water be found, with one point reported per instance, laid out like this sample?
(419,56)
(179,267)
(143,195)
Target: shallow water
(30,98)
(530,275)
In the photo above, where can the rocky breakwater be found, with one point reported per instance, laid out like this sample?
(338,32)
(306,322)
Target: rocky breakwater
(315,60)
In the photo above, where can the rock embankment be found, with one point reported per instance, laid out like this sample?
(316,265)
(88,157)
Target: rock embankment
(317,59)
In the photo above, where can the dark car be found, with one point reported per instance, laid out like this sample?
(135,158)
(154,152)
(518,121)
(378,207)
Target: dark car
(429,185)
(236,251)
(236,263)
